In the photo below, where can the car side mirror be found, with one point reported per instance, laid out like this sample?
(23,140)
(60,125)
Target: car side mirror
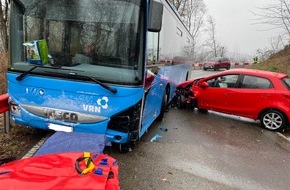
(203,84)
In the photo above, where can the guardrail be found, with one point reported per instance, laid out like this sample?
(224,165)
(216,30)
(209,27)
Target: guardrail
(233,65)
(4,109)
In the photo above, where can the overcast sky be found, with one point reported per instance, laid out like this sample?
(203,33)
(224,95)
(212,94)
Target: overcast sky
(235,25)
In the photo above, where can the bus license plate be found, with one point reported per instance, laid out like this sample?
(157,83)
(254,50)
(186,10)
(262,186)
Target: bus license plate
(60,127)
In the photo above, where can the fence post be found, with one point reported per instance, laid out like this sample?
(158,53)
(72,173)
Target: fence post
(6,122)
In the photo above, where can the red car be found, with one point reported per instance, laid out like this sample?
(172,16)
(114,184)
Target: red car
(255,94)
(217,63)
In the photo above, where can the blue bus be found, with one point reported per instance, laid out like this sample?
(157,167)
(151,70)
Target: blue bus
(95,66)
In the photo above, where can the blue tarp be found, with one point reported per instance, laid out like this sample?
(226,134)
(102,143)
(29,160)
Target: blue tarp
(73,142)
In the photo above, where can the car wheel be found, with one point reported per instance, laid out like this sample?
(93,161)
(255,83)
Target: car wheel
(203,111)
(273,120)
(180,103)
(228,67)
(204,69)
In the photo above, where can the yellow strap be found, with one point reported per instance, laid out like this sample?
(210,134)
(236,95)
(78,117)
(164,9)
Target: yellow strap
(90,165)
(87,155)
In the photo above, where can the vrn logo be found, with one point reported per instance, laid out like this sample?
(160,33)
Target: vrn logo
(102,103)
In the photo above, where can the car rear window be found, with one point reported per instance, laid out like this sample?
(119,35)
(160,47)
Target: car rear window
(286,81)
(255,82)
(216,59)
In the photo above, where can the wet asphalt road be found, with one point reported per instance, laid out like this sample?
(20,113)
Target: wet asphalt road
(206,151)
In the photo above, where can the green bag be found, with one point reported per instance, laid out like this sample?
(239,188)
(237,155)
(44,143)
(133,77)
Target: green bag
(36,52)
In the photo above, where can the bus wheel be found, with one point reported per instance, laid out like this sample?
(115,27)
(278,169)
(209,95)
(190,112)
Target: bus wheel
(163,107)
(124,148)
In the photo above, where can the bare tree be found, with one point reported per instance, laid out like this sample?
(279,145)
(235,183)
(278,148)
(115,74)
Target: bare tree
(212,41)
(4,4)
(194,18)
(264,53)
(4,10)
(222,51)
(193,13)
(179,5)
(277,43)
(276,15)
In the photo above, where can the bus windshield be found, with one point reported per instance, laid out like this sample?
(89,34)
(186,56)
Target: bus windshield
(97,38)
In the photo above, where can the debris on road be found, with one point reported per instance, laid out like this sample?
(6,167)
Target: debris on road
(163,128)
(157,136)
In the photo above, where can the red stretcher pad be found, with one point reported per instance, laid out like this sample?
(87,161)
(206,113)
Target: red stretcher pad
(61,171)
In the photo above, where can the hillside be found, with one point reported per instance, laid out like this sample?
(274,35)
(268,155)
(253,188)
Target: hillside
(279,62)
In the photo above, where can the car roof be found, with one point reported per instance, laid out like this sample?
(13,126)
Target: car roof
(253,72)
(218,58)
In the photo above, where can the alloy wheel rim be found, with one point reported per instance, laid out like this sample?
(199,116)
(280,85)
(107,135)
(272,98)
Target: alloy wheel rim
(272,121)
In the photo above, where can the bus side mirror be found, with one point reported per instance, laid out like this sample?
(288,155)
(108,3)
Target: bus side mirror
(155,16)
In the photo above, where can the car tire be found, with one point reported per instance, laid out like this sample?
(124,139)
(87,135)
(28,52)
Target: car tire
(179,103)
(273,120)
(228,67)
(204,69)
(203,111)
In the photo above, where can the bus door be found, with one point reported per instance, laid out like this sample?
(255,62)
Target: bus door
(153,93)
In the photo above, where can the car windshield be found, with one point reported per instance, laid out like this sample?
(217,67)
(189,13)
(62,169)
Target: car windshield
(97,38)
(215,59)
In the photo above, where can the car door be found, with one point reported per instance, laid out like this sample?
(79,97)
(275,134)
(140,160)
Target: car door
(223,62)
(215,97)
(251,96)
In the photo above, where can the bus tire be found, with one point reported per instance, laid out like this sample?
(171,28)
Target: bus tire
(187,75)
(163,107)
(124,148)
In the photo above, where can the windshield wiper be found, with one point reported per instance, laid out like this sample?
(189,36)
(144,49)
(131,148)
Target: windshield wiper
(21,76)
(112,90)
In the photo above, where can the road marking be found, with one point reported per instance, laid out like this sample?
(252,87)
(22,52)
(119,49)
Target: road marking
(33,150)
